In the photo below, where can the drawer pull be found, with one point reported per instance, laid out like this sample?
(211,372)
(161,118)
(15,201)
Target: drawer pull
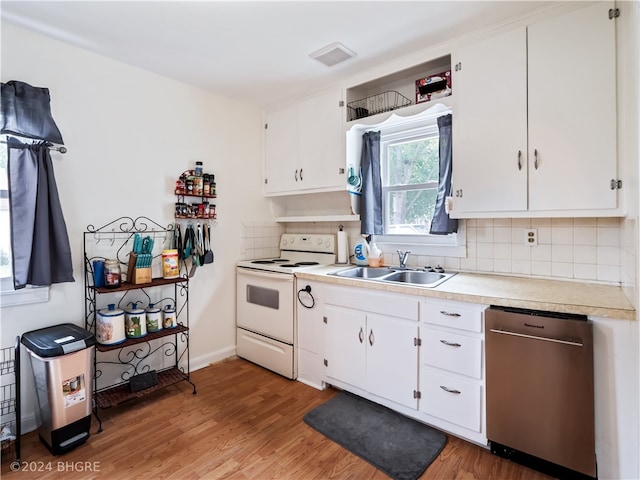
(449,314)
(449,344)
(457,392)
(371,338)
(361,335)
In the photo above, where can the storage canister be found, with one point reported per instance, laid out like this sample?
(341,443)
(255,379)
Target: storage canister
(170,267)
(154,318)
(110,326)
(169,317)
(135,321)
(112,273)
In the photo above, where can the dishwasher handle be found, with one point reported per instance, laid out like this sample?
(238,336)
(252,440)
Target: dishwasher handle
(534,337)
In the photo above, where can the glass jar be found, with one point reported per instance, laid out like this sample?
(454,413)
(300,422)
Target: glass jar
(112,273)
(206,185)
(198,169)
(197,186)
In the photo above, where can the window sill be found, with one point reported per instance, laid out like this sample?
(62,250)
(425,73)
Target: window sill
(24,296)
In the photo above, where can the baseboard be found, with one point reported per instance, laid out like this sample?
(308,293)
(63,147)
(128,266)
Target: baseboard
(30,423)
(213,357)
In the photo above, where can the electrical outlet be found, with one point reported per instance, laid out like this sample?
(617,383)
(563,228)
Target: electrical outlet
(531,237)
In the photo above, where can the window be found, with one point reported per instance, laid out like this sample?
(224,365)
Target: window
(409,163)
(409,160)
(5,240)
(9,296)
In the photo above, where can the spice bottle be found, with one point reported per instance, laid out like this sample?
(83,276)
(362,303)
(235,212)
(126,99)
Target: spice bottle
(198,169)
(212,182)
(206,186)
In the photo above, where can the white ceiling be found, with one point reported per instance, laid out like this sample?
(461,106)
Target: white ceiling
(256,50)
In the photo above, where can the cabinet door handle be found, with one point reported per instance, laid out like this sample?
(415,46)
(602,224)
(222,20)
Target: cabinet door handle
(449,314)
(361,335)
(371,338)
(519,159)
(450,344)
(295,175)
(535,156)
(456,392)
(300,174)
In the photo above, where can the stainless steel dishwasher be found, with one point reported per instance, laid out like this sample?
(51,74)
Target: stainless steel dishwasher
(540,399)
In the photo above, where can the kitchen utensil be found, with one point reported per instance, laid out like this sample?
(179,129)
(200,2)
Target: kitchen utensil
(208,254)
(200,246)
(179,242)
(137,243)
(353,180)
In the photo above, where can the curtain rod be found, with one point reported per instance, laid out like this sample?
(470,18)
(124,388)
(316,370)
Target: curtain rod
(61,148)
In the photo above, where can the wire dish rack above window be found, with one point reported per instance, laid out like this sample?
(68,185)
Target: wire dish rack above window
(378,103)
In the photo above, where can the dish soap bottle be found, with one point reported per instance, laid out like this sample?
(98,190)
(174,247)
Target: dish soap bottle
(375,256)
(361,252)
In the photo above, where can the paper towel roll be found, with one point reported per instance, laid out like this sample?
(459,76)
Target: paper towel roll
(343,247)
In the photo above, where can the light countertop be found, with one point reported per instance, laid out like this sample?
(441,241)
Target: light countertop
(522,292)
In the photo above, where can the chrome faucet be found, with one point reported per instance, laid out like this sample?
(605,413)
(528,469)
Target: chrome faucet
(402,256)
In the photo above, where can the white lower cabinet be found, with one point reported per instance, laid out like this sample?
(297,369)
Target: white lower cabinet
(420,356)
(452,368)
(371,344)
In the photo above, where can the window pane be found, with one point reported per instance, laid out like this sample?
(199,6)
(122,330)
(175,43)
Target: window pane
(409,212)
(5,240)
(414,162)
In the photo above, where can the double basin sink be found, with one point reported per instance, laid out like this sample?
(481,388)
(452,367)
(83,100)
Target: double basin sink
(421,278)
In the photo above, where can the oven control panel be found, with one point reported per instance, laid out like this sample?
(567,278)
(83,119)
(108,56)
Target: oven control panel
(322,243)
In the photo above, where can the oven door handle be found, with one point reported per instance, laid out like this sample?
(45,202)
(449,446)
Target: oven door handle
(265,274)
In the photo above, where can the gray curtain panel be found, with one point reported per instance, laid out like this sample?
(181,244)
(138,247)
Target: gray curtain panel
(25,112)
(441,223)
(371,200)
(39,240)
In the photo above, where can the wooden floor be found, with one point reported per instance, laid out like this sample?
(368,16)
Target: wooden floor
(244,423)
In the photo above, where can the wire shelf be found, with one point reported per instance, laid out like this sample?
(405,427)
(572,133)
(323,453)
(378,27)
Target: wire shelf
(378,103)
(7,360)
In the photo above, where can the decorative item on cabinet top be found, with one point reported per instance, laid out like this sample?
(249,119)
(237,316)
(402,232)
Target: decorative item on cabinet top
(199,187)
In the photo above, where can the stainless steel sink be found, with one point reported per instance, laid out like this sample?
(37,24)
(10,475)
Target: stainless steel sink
(363,272)
(415,276)
(393,275)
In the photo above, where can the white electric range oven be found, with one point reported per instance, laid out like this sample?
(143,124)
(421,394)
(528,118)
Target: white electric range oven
(265,300)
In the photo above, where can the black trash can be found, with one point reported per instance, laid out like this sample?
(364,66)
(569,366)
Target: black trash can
(62,362)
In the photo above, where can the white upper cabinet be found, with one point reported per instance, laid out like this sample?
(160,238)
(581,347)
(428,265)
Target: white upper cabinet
(535,124)
(572,111)
(490,125)
(304,146)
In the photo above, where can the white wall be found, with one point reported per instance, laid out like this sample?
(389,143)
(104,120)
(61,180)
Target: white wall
(130,134)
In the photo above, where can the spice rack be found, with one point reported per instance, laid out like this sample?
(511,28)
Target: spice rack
(199,188)
(166,351)
(10,400)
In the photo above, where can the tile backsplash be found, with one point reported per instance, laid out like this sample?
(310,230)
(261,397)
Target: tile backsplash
(583,249)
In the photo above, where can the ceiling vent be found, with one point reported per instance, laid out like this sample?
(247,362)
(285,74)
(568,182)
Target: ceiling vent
(333,54)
